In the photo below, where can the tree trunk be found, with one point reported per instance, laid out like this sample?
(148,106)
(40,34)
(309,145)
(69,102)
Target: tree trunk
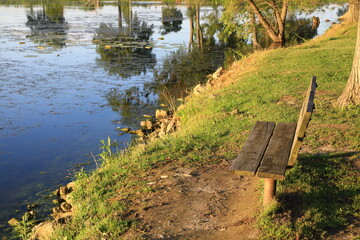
(353,12)
(351,94)
(255,41)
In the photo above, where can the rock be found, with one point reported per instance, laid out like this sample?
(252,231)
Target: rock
(218,73)
(138,132)
(146,124)
(69,199)
(13,222)
(31,206)
(125,129)
(57,210)
(160,114)
(147,116)
(57,192)
(63,191)
(30,215)
(66,207)
(171,125)
(162,134)
(163,126)
(58,201)
(153,135)
(198,89)
(43,231)
(62,218)
(71,186)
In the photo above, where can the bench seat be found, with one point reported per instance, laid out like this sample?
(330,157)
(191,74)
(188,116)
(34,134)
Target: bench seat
(266,152)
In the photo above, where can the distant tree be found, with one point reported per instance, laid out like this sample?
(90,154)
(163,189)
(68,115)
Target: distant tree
(351,94)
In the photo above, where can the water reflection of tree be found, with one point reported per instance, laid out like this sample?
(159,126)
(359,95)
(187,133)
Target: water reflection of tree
(128,52)
(299,30)
(184,69)
(130,104)
(171,20)
(126,62)
(193,13)
(125,51)
(48,24)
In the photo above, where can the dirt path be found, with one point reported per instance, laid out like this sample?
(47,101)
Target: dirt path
(207,203)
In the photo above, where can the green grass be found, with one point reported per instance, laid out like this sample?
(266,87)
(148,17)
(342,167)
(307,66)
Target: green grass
(318,197)
(262,85)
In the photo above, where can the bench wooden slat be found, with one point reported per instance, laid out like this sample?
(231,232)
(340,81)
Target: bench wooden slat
(303,121)
(276,157)
(248,160)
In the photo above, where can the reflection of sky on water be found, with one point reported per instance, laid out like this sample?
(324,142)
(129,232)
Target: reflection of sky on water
(328,12)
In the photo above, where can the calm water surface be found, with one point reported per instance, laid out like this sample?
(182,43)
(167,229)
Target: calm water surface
(61,92)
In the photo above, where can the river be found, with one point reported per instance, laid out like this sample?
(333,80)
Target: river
(73,74)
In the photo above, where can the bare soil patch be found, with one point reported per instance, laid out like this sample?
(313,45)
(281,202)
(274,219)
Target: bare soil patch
(198,203)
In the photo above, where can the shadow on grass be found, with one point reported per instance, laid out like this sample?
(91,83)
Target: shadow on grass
(321,194)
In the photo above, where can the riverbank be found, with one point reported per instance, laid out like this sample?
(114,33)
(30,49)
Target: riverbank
(116,199)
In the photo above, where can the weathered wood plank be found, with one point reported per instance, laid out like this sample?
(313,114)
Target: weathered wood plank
(248,160)
(303,121)
(274,161)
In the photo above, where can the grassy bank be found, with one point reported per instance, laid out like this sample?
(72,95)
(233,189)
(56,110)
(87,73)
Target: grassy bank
(319,196)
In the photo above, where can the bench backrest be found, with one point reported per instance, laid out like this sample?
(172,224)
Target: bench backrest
(303,122)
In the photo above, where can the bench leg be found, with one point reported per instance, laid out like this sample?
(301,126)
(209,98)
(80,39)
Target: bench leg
(269,190)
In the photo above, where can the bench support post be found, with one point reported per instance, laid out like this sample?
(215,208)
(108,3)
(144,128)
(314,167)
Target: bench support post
(269,190)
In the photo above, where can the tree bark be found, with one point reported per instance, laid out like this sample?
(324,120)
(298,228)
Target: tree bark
(255,41)
(353,12)
(271,32)
(351,94)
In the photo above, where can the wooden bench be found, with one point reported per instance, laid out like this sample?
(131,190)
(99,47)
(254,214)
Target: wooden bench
(273,147)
